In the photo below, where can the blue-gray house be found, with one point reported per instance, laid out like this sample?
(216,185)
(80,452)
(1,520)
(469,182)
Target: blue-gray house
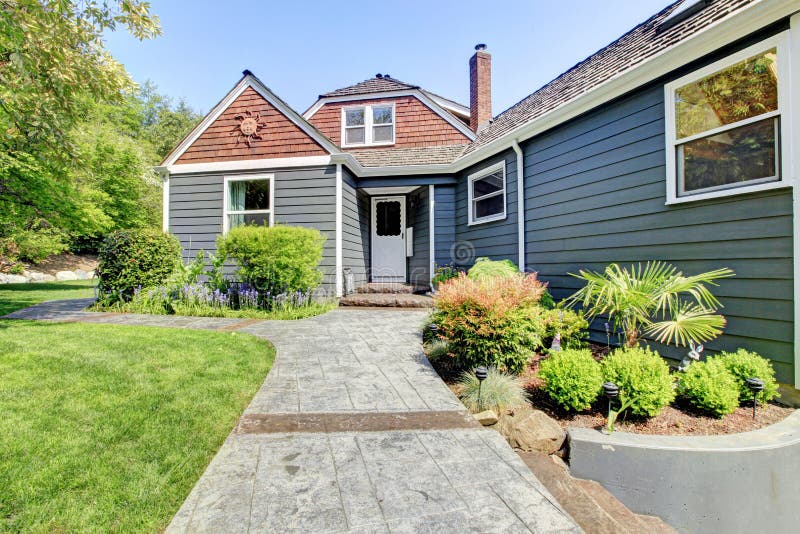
(679,141)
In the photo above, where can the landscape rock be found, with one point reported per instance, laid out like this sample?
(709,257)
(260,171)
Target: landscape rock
(90,274)
(46,278)
(531,430)
(81,274)
(62,276)
(35,276)
(15,279)
(486,417)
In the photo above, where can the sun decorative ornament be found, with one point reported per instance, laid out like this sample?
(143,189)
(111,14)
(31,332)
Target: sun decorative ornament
(248,127)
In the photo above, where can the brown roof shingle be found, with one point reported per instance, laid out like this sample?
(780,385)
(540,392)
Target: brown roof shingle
(373,85)
(626,53)
(395,157)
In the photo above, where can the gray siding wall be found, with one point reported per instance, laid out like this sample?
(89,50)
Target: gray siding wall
(497,239)
(303,197)
(355,229)
(419,218)
(444,223)
(595,194)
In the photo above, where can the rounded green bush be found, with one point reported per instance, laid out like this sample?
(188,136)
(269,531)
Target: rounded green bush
(643,379)
(277,259)
(744,364)
(131,259)
(498,392)
(486,268)
(572,378)
(572,327)
(710,386)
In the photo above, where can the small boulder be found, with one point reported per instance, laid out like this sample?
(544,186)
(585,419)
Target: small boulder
(46,278)
(531,430)
(486,417)
(16,279)
(81,274)
(90,275)
(36,276)
(63,276)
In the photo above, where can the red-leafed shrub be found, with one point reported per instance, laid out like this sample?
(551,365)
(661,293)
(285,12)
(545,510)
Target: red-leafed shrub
(493,321)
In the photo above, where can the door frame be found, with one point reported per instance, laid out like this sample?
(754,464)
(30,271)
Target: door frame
(373,217)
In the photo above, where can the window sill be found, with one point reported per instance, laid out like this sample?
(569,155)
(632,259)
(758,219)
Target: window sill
(370,145)
(783,184)
(488,220)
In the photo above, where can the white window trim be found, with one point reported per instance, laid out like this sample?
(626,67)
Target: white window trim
(247,178)
(368,125)
(477,176)
(783,156)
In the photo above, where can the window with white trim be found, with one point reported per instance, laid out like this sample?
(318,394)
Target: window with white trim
(724,127)
(368,125)
(487,194)
(248,200)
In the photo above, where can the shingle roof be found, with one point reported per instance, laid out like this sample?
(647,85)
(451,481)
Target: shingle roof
(394,157)
(373,85)
(624,54)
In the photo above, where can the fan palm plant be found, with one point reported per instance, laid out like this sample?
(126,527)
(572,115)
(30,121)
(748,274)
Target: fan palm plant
(656,300)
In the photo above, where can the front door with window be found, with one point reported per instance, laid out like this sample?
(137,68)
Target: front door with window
(389,239)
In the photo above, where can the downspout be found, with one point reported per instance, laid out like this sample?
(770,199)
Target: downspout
(164,174)
(520,205)
(338,268)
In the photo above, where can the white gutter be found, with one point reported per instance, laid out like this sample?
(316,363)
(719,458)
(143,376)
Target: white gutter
(338,268)
(520,204)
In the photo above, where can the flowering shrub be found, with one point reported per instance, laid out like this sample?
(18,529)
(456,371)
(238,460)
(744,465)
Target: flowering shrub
(492,321)
(135,258)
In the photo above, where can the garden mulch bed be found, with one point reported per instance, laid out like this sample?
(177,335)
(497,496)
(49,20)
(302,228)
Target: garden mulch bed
(679,419)
(65,262)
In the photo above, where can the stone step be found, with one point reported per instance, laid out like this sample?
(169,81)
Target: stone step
(387,300)
(386,287)
(634,523)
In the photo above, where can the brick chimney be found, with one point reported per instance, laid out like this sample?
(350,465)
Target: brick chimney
(480,88)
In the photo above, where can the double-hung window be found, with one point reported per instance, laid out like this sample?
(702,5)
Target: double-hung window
(368,125)
(724,125)
(248,200)
(487,194)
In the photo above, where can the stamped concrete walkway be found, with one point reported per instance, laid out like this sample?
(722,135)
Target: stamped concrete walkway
(352,431)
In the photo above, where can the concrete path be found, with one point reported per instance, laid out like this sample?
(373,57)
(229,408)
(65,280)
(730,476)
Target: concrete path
(352,431)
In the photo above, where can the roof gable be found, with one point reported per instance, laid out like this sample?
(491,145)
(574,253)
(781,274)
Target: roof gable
(281,132)
(376,84)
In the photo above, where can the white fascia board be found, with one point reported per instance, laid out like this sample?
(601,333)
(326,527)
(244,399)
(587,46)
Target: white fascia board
(721,33)
(249,165)
(416,93)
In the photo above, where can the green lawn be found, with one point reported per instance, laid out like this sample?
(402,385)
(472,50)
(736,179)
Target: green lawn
(107,428)
(17,296)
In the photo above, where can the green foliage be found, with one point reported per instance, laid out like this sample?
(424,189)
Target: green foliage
(498,391)
(744,364)
(572,378)
(710,387)
(643,379)
(131,259)
(444,273)
(486,268)
(547,301)
(571,325)
(436,349)
(491,321)
(275,259)
(37,243)
(655,299)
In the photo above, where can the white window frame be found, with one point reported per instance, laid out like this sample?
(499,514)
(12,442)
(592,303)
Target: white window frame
(782,157)
(247,178)
(368,124)
(471,220)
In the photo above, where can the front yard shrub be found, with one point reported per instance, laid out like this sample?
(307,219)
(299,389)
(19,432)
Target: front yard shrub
(498,392)
(710,387)
(436,349)
(643,379)
(131,259)
(569,324)
(572,378)
(444,273)
(492,321)
(275,259)
(744,364)
(486,268)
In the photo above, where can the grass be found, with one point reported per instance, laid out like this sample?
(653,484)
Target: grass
(106,427)
(14,297)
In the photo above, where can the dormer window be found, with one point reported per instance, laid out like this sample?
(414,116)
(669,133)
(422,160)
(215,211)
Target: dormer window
(368,125)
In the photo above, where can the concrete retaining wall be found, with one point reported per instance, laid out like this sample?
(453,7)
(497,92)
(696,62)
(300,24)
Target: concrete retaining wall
(735,483)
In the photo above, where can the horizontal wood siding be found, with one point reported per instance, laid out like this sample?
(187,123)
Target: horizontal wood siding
(419,265)
(303,197)
(280,137)
(595,194)
(496,240)
(355,229)
(444,223)
(416,125)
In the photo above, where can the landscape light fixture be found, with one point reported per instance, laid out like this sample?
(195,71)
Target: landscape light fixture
(756,385)
(481,373)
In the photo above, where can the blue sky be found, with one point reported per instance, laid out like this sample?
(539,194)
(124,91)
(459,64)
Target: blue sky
(303,48)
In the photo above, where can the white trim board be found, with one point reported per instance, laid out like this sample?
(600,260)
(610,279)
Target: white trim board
(432,231)
(242,178)
(483,173)
(793,117)
(339,268)
(249,165)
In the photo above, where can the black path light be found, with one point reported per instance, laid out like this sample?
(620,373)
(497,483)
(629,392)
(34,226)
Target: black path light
(756,385)
(611,391)
(481,373)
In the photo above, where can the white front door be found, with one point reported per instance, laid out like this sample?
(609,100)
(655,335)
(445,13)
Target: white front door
(388,239)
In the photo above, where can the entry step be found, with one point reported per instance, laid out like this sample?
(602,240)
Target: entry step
(394,288)
(387,300)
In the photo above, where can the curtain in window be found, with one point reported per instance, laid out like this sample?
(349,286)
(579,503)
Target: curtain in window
(236,197)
